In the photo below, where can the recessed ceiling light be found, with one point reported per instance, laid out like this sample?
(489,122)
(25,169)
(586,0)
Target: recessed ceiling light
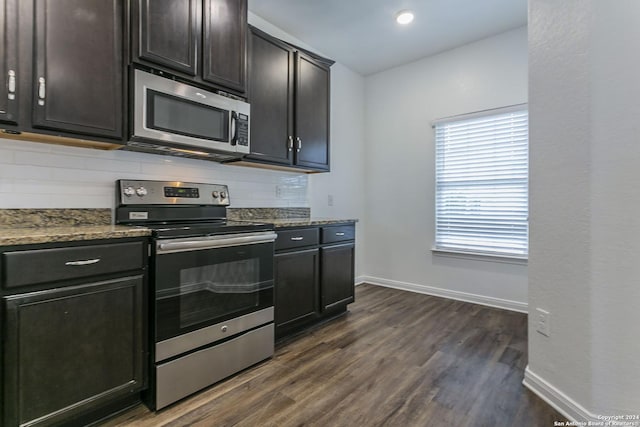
(404,17)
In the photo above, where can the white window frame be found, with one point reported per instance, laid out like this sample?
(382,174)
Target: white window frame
(470,205)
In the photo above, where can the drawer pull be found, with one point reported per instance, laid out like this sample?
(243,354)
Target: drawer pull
(297,239)
(85,262)
(339,234)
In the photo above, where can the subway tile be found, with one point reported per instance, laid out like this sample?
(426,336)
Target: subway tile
(62,188)
(79,175)
(6,156)
(56,176)
(48,201)
(19,145)
(25,172)
(113,165)
(48,159)
(6,186)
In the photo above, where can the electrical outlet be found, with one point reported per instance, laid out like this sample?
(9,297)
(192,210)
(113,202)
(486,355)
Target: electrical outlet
(543,322)
(330,200)
(278,192)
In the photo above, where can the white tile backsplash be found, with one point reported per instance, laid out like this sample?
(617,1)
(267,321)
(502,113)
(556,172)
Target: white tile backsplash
(34,175)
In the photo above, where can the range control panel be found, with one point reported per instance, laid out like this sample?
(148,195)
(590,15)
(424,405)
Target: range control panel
(144,192)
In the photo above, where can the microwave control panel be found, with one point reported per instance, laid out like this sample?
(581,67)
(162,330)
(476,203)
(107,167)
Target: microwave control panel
(243,129)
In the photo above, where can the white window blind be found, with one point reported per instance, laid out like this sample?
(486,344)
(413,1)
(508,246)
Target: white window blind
(482,183)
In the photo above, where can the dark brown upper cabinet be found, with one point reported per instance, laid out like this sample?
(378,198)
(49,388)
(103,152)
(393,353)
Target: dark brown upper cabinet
(9,61)
(289,95)
(203,41)
(224,43)
(312,113)
(168,33)
(77,81)
(271,85)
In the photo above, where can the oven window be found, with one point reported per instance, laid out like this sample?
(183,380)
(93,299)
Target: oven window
(178,115)
(218,290)
(195,289)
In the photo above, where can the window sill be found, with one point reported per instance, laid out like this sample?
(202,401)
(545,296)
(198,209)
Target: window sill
(508,259)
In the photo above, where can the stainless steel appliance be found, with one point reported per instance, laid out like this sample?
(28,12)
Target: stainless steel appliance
(175,118)
(211,285)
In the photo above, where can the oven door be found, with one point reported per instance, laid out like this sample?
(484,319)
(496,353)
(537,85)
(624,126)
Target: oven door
(205,281)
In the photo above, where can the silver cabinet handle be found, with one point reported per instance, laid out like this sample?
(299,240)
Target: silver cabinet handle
(297,239)
(42,91)
(299,144)
(12,85)
(85,262)
(290,143)
(339,234)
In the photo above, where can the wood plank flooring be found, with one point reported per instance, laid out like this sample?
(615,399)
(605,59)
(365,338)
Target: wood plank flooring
(396,359)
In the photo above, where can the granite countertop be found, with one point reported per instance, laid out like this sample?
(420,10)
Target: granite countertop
(305,222)
(32,235)
(31,226)
(283,217)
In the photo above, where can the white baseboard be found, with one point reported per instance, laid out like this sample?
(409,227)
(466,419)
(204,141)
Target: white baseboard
(505,304)
(360,280)
(557,399)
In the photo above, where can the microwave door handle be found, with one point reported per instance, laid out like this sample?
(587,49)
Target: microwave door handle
(234,128)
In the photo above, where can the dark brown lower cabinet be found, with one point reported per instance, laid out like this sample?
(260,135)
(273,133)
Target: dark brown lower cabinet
(314,275)
(296,292)
(72,350)
(336,286)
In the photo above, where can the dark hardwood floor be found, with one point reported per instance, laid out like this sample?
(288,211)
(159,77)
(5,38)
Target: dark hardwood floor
(396,359)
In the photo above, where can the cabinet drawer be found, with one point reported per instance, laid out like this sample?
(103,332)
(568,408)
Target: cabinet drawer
(288,239)
(49,265)
(338,233)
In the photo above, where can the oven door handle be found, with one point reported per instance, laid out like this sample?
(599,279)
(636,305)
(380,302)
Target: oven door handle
(214,242)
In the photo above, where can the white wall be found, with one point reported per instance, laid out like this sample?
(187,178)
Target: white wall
(400,104)
(585,235)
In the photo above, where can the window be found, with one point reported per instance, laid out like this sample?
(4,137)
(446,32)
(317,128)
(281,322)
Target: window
(482,183)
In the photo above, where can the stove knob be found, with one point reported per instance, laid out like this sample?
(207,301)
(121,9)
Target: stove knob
(141,191)
(215,194)
(129,191)
(223,195)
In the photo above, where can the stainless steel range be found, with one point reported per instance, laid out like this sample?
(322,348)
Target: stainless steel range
(211,284)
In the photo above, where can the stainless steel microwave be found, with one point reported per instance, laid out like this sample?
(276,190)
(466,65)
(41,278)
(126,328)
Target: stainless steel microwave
(171,117)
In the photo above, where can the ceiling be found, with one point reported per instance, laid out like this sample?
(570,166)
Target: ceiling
(363,34)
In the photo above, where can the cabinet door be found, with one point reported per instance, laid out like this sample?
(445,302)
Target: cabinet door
(296,287)
(312,113)
(224,44)
(9,61)
(168,33)
(338,276)
(71,350)
(78,67)
(271,85)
